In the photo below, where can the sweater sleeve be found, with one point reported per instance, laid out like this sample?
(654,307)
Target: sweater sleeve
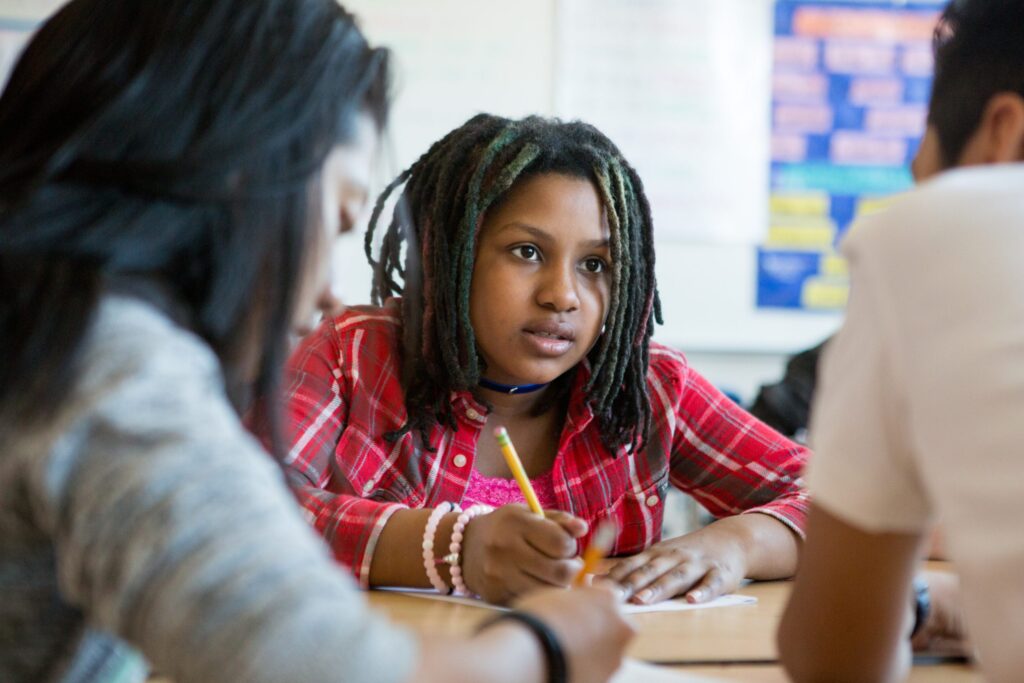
(175,531)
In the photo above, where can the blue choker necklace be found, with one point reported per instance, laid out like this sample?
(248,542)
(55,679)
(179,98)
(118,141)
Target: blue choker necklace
(510,388)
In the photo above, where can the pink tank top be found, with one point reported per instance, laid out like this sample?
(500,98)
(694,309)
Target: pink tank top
(496,491)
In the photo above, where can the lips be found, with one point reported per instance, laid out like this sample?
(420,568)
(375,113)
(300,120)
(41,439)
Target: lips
(552,329)
(549,338)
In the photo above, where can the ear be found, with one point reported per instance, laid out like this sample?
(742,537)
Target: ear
(1000,134)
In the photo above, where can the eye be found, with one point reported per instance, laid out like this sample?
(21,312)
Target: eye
(527,252)
(594,265)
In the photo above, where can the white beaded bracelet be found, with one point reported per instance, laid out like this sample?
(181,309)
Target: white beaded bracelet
(429,532)
(454,557)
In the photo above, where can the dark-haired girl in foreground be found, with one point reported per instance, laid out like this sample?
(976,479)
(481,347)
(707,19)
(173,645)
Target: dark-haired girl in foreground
(166,200)
(527,300)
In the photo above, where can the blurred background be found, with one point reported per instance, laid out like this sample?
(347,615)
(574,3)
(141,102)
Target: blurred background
(761,129)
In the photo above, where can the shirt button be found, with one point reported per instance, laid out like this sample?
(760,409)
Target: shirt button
(460,460)
(652,500)
(367,487)
(472,415)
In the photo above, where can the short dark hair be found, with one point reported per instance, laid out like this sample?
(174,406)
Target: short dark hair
(447,193)
(176,143)
(979,52)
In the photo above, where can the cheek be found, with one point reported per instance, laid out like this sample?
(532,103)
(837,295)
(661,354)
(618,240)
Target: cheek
(600,296)
(595,297)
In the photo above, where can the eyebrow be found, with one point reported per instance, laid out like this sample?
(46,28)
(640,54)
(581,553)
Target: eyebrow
(544,235)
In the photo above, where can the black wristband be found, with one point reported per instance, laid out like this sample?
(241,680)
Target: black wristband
(922,604)
(558,667)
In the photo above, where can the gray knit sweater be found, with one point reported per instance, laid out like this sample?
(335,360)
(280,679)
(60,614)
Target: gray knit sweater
(145,519)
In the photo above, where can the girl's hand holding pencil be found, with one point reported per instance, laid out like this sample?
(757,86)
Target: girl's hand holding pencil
(515,549)
(512,551)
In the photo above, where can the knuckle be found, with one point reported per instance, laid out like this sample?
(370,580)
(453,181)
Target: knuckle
(564,573)
(491,570)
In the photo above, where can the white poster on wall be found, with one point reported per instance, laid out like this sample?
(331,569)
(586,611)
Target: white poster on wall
(682,87)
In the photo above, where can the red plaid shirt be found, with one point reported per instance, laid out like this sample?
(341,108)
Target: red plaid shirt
(345,394)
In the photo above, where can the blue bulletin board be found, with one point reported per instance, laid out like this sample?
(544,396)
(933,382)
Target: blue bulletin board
(850,88)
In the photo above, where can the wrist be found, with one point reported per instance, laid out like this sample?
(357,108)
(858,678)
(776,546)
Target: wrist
(433,541)
(511,653)
(441,543)
(453,559)
(922,605)
(556,664)
(730,538)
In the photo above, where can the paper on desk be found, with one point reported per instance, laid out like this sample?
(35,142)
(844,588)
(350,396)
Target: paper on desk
(678,605)
(635,671)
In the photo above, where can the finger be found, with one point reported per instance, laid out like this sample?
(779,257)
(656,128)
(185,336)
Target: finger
(603,582)
(710,587)
(513,583)
(627,565)
(549,539)
(556,573)
(574,526)
(519,583)
(643,576)
(673,582)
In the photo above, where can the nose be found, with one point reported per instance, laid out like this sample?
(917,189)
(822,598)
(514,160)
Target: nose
(328,303)
(558,288)
(349,215)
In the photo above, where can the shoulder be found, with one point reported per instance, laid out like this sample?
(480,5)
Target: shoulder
(369,326)
(964,209)
(146,386)
(666,363)
(132,342)
(143,374)
(361,338)
(668,373)
(386,319)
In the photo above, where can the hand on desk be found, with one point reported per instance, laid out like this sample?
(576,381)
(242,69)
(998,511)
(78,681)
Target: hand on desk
(944,630)
(701,565)
(710,562)
(512,551)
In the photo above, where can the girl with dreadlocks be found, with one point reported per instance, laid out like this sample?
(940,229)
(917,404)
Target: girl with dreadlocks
(516,280)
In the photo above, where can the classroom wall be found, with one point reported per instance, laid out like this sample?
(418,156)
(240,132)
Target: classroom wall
(696,72)
(680,85)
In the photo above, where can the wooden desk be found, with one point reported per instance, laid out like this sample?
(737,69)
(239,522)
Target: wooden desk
(727,644)
(744,633)
(945,673)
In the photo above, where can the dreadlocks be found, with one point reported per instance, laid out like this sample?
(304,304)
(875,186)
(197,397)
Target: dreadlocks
(438,216)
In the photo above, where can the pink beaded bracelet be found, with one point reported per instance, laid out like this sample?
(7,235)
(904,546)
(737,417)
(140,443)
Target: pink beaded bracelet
(428,546)
(454,556)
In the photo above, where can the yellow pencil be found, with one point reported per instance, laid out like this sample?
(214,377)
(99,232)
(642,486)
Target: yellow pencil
(600,545)
(514,464)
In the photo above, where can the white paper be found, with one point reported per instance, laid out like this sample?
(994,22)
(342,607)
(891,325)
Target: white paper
(677,605)
(635,671)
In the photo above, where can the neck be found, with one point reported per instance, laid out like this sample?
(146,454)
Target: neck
(512,405)
(510,388)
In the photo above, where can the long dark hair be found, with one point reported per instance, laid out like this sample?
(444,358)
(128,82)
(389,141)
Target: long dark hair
(446,194)
(173,142)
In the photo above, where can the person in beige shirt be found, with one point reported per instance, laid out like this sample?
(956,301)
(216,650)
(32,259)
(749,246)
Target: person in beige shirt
(918,414)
